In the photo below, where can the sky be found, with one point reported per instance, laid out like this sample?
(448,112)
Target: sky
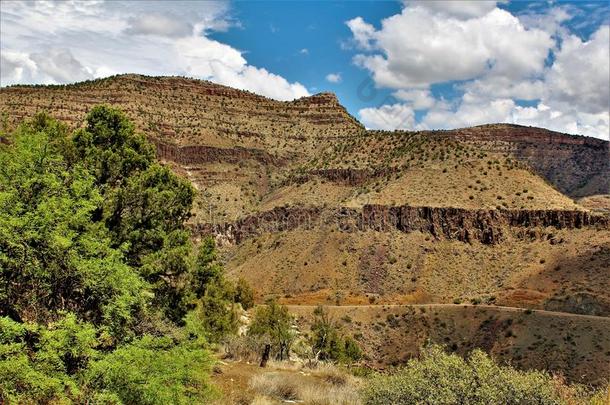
(409,64)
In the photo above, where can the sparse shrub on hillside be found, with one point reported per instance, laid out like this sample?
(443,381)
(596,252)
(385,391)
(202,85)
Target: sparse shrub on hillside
(273,323)
(328,343)
(441,378)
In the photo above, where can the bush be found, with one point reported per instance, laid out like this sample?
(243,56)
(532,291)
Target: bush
(441,378)
(273,323)
(328,343)
(244,294)
(152,371)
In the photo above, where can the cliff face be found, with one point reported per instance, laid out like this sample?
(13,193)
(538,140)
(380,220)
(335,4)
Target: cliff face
(199,154)
(348,176)
(484,226)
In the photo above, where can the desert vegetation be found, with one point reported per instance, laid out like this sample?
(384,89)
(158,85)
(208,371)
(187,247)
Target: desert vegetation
(102,288)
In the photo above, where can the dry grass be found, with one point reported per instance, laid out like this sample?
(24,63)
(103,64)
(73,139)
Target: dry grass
(323,385)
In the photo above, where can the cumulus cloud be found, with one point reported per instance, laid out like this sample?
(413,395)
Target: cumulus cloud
(456,8)
(50,66)
(492,59)
(60,65)
(388,117)
(363,32)
(61,42)
(159,24)
(17,67)
(333,77)
(581,72)
(418,99)
(419,47)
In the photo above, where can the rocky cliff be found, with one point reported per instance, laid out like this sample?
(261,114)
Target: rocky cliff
(483,226)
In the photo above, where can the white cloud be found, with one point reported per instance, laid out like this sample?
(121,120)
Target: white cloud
(17,67)
(165,25)
(363,32)
(304,51)
(333,77)
(581,73)
(456,8)
(60,65)
(419,47)
(418,99)
(50,66)
(493,59)
(388,117)
(61,41)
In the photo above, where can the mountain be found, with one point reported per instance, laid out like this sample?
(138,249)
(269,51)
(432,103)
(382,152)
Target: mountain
(310,207)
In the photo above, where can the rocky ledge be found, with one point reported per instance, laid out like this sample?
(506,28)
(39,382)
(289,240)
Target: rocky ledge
(466,225)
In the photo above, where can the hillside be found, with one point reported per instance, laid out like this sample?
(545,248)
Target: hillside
(310,207)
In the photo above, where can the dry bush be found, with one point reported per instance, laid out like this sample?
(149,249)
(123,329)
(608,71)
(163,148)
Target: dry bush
(243,348)
(277,385)
(333,395)
(260,400)
(324,385)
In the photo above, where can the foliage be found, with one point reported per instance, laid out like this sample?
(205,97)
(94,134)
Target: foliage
(215,314)
(273,323)
(244,294)
(52,256)
(95,264)
(152,371)
(110,147)
(207,269)
(328,343)
(27,376)
(441,378)
(145,204)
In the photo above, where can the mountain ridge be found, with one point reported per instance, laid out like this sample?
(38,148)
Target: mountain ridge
(169,110)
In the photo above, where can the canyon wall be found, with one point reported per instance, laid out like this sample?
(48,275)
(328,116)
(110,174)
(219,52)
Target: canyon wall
(465,225)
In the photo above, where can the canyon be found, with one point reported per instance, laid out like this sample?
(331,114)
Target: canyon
(312,208)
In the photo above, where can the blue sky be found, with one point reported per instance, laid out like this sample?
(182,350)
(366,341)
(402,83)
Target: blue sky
(407,65)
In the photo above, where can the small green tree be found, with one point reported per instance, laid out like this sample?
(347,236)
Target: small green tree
(328,343)
(273,323)
(215,313)
(207,270)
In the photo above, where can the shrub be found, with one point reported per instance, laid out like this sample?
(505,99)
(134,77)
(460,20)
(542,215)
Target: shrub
(244,294)
(273,323)
(328,343)
(441,378)
(152,371)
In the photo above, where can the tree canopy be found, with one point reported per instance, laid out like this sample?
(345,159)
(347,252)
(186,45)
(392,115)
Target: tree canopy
(101,288)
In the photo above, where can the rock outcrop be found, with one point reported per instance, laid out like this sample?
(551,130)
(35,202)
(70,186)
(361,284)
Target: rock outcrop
(482,226)
(347,176)
(198,154)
